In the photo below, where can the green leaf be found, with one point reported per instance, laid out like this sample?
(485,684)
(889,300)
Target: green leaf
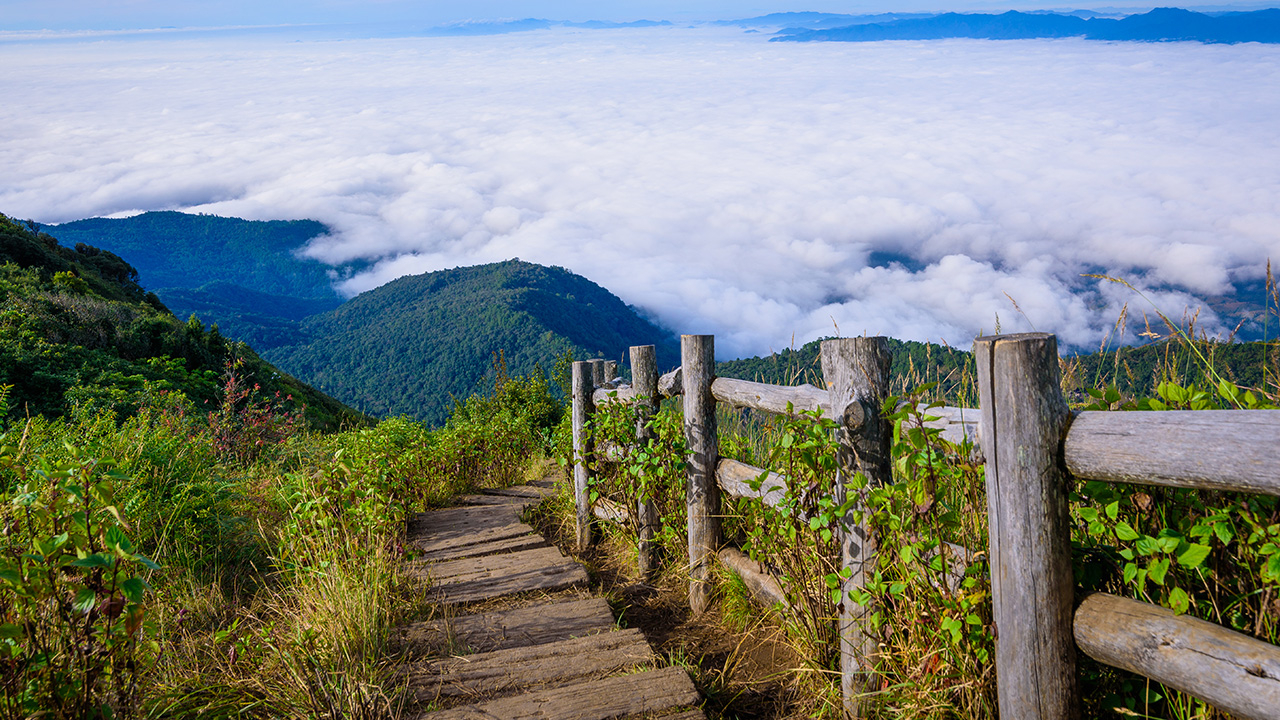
(1113,509)
(1223,531)
(1124,531)
(133,589)
(10,631)
(84,600)
(1178,600)
(146,562)
(1194,555)
(96,560)
(1130,572)
(1157,569)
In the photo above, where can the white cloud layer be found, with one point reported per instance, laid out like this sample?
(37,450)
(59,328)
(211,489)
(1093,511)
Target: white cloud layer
(721,183)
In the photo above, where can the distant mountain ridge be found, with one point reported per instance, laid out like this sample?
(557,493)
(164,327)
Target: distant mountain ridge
(1158,25)
(410,346)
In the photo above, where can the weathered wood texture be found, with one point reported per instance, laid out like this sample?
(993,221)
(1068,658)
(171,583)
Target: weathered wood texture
(770,398)
(735,479)
(611,371)
(1231,671)
(604,396)
(608,699)
(520,627)
(532,493)
(1024,416)
(472,579)
(456,528)
(598,378)
(606,509)
(485,676)
(671,384)
(582,410)
(458,552)
(857,375)
(644,379)
(1205,449)
(698,365)
(764,587)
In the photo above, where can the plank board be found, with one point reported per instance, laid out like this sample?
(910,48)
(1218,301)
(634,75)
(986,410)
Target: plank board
(486,676)
(492,576)
(503,500)
(608,699)
(515,628)
(531,492)
(519,542)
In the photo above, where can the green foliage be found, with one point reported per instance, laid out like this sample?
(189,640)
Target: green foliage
(409,346)
(73,591)
(653,470)
(1214,555)
(798,537)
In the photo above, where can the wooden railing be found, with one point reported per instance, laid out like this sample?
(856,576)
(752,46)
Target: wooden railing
(1033,445)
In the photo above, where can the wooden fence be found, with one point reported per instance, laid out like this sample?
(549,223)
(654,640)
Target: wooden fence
(1033,445)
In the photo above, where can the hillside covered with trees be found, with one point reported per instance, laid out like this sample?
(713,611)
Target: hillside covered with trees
(415,343)
(78,333)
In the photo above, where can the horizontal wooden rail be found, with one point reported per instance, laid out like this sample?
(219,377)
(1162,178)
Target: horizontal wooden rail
(771,398)
(735,477)
(1203,449)
(603,396)
(763,586)
(1230,671)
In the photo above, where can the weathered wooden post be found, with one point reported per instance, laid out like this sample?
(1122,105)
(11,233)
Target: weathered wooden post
(610,370)
(857,376)
(597,372)
(698,363)
(1024,419)
(644,380)
(583,447)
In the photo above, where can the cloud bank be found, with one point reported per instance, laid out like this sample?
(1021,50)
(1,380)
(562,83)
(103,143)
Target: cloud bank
(722,184)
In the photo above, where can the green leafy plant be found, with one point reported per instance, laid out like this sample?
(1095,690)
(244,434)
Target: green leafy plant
(74,634)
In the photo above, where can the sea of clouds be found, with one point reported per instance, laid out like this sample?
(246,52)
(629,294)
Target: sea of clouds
(764,192)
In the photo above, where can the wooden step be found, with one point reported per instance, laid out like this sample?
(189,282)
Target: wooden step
(491,675)
(639,694)
(532,492)
(520,627)
(493,576)
(511,544)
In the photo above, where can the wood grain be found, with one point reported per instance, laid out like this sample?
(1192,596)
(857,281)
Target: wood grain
(771,398)
(698,363)
(1233,672)
(608,699)
(520,627)
(583,408)
(1204,449)
(735,479)
(857,375)
(1024,417)
(484,676)
(764,587)
(644,380)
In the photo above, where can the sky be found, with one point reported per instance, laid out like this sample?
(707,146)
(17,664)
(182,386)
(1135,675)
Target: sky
(118,14)
(769,193)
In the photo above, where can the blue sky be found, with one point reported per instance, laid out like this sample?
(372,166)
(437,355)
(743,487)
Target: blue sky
(128,14)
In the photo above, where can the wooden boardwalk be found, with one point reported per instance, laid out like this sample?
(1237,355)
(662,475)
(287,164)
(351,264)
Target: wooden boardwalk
(520,636)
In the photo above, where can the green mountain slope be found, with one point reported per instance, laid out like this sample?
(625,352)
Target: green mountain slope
(78,332)
(406,347)
(244,275)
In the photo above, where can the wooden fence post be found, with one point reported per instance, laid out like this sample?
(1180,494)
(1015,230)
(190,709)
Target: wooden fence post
(644,380)
(857,375)
(583,446)
(698,363)
(610,370)
(597,372)
(1024,420)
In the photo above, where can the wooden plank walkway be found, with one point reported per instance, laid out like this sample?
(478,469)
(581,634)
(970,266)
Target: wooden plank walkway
(521,637)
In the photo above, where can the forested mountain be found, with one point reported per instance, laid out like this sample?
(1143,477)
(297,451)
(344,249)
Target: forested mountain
(1158,25)
(408,346)
(244,275)
(77,332)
